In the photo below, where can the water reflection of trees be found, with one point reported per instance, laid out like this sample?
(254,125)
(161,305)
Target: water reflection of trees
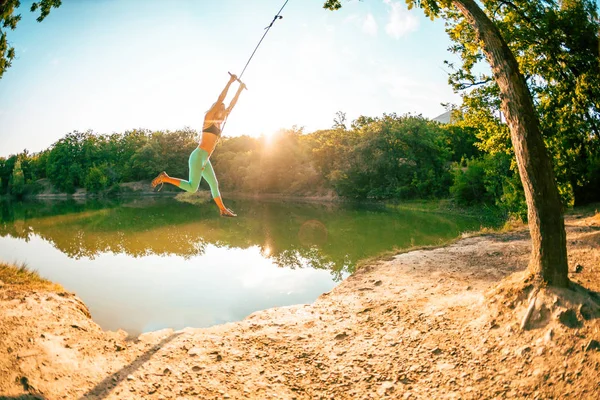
(291,235)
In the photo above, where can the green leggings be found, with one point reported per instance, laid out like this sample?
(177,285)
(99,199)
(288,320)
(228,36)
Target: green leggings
(200,167)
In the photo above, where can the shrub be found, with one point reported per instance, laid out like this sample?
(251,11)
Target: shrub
(16,184)
(489,181)
(469,183)
(96,180)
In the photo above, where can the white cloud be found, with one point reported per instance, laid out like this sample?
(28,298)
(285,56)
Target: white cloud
(369,25)
(401,21)
(351,18)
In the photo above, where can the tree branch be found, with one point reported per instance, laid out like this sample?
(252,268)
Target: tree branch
(518,11)
(466,85)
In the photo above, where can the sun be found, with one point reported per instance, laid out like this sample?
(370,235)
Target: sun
(268,139)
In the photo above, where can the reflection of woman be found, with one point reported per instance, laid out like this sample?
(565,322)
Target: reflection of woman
(199,163)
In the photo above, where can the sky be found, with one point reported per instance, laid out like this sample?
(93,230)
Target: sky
(116,65)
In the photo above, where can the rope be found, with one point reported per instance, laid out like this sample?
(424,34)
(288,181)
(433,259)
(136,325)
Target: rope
(277,16)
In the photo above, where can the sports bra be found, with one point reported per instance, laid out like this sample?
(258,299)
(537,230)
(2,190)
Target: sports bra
(214,129)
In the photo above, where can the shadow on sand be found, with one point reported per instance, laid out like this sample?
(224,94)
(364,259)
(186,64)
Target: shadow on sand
(102,389)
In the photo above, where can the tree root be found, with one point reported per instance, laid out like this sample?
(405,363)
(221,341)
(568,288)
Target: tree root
(519,297)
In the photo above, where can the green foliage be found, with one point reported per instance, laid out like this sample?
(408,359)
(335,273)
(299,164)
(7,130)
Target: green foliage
(159,151)
(398,157)
(96,180)
(6,169)
(279,164)
(44,6)
(469,184)
(339,122)
(332,5)
(63,167)
(556,45)
(388,157)
(462,140)
(9,21)
(98,161)
(16,184)
(490,181)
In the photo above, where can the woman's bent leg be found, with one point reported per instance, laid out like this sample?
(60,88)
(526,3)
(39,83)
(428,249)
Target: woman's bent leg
(197,160)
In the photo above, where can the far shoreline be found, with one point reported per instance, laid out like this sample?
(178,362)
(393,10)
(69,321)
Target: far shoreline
(142,189)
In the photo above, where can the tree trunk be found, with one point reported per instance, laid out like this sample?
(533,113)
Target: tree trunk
(549,249)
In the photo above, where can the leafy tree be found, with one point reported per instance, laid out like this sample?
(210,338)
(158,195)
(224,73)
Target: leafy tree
(125,147)
(556,46)
(339,122)
(278,164)
(2,163)
(461,140)
(549,252)
(9,21)
(330,152)
(16,183)
(469,184)
(96,180)
(164,151)
(6,169)
(399,157)
(388,157)
(489,180)
(64,167)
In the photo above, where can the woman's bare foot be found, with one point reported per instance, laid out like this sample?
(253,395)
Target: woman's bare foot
(226,212)
(159,180)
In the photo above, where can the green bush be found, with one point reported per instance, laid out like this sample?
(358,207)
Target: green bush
(489,181)
(96,180)
(16,184)
(469,184)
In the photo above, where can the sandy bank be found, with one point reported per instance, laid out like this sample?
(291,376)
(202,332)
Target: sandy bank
(422,325)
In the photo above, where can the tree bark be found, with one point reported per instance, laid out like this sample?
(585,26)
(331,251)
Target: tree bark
(549,249)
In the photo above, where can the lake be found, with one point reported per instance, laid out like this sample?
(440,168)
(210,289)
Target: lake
(151,263)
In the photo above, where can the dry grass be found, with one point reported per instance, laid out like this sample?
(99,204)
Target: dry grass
(511,225)
(596,218)
(21,277)
(200,197)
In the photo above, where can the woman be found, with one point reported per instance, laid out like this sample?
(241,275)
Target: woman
(199,163)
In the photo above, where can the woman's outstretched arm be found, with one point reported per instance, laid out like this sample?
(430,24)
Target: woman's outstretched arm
(226,89)
(235,98)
